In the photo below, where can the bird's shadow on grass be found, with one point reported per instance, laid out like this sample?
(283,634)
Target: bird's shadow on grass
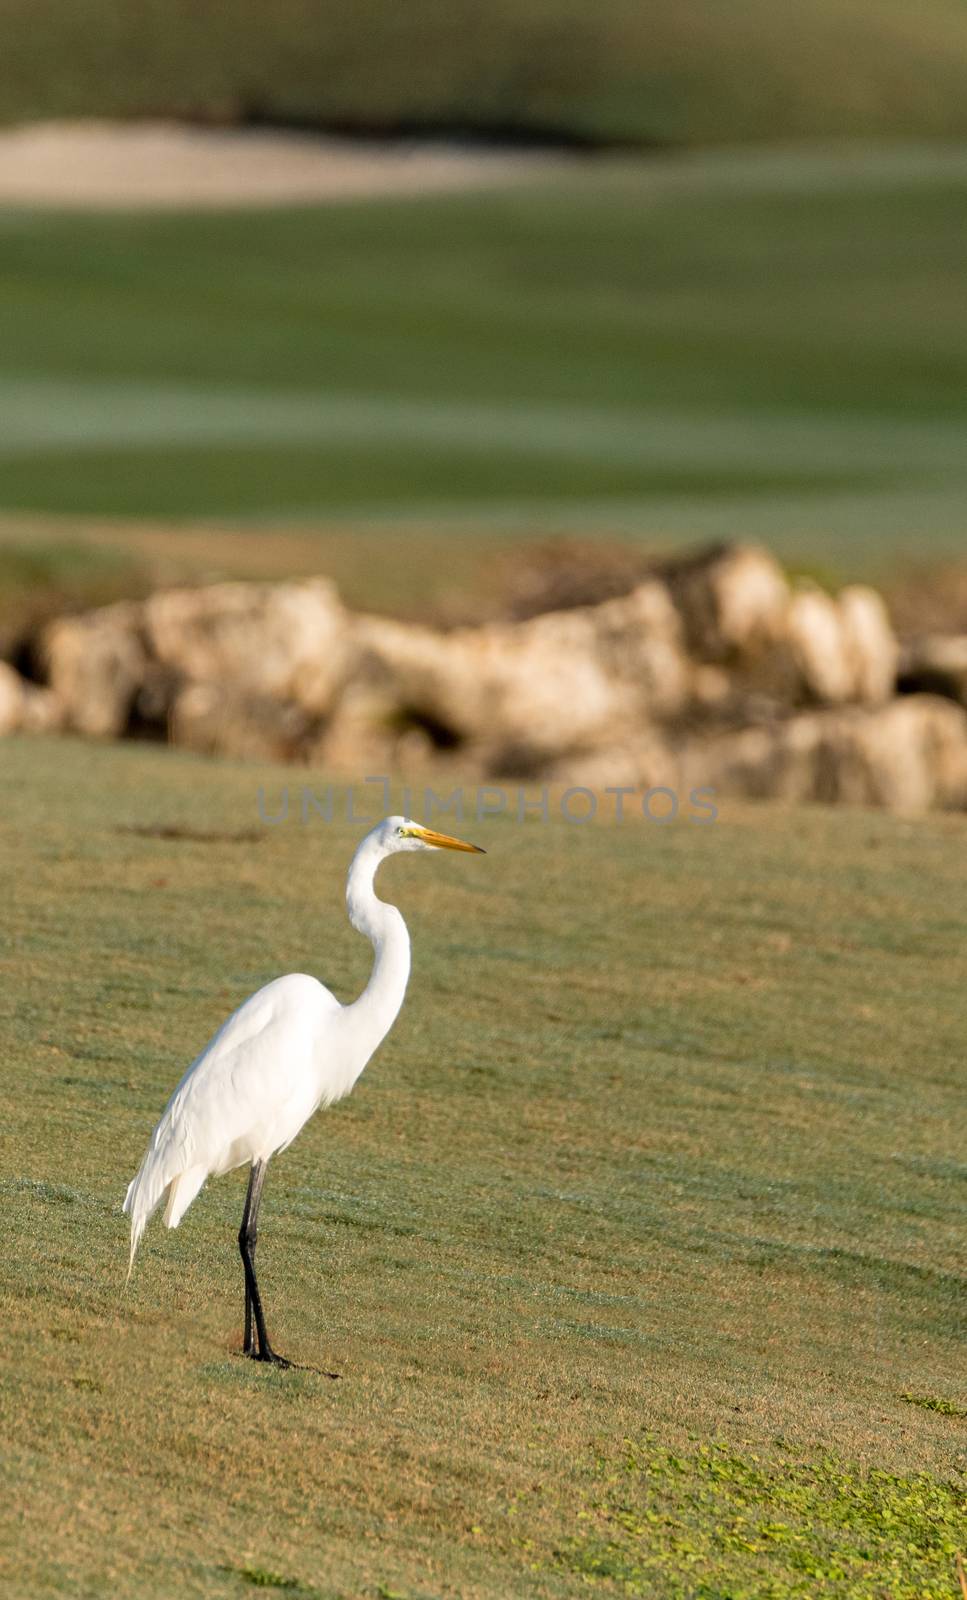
(240,1371)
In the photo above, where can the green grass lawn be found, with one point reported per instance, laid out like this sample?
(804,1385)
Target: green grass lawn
(638,1248)
(769,346)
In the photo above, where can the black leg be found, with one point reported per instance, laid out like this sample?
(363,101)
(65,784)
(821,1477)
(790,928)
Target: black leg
(258,1348)
(247,1238)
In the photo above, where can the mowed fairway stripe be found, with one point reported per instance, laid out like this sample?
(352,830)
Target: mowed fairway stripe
(798,482)
(41,415)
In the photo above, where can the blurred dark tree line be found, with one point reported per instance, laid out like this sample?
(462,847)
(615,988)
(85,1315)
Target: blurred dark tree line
(649,72)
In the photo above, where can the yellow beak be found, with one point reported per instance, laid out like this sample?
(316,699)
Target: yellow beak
(444,841)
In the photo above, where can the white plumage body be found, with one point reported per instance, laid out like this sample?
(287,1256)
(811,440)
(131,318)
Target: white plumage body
(255,1084)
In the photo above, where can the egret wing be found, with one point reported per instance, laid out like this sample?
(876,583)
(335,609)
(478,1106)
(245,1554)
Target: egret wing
(239,1095)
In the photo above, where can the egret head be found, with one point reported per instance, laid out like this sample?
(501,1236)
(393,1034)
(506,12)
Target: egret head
(389,837)
(399,833)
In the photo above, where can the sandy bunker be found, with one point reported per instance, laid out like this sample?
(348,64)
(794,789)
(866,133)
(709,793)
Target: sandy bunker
(101,165)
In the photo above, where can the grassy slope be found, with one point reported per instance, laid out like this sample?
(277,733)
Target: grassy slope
(673,1161)
(640,70)
(769,346)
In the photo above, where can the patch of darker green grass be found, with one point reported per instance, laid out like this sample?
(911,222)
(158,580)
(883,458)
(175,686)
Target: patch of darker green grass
(715,1522)
(934,1402)
(262,1578)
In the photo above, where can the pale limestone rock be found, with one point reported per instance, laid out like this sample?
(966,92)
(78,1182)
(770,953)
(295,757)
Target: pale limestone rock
(843,649)
(642,761)
(640,640)
(732,601)
(871,644)
(215,719)
(907,756)
(818,647)
(538,687)
(361,735)
(522,694)
(42,712)
(12,699)
(281,641)
(95,665)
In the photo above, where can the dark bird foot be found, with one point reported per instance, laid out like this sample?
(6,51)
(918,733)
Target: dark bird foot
(268,1355)
(272,1357)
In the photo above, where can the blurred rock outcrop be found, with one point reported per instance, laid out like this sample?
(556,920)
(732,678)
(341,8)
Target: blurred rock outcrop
(843,649)
(280,642)
(26,707)
(909,755)
(248,649)
(733,602)
(11,699)
(96,664)
(936,664)
(513,697)
(713,671)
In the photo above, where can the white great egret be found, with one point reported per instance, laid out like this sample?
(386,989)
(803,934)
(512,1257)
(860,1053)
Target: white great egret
(288,1050)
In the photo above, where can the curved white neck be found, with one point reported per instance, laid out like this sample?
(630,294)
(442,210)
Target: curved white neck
(373,1014)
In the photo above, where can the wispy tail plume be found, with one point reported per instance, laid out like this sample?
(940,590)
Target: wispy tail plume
(142,1199)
